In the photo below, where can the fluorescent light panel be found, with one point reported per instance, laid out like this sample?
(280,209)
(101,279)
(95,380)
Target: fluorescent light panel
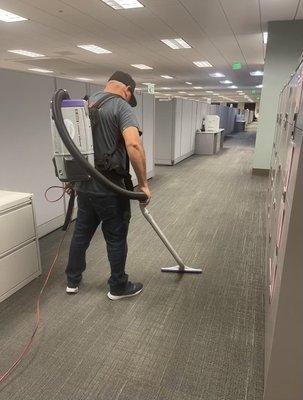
(167,77)
(176,44)
(256,73)
(259,86)
(123,4)
(84,79)
(45,71)
(226,82)
(209,91)
(7,16)
(265,37)
(233,87)
(197,87)
(93,48)
(141,66)
(165,88)
(188,83)
(26,53)
(217,75)
(202,64)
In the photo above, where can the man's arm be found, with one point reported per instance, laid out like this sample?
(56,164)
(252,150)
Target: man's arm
(136,154)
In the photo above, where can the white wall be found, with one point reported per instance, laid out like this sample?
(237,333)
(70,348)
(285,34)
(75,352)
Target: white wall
(26,144)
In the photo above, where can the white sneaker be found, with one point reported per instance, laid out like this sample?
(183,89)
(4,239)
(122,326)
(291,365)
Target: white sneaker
(72,290)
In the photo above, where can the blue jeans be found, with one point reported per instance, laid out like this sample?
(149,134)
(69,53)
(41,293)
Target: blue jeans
(113,212)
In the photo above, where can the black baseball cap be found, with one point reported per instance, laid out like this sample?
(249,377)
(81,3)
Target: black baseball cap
(125,78)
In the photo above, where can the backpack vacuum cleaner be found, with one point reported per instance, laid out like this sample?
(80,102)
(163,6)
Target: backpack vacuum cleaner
(74,160)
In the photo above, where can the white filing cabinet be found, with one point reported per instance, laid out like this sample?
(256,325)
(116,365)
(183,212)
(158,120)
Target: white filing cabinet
(19,247)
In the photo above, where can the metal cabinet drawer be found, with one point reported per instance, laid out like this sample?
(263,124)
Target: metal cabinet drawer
(16,227)
(17,269)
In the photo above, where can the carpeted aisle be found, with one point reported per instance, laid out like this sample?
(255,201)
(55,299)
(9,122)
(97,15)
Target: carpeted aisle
(184,338)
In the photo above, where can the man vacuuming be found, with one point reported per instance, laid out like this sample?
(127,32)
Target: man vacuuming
(116,142)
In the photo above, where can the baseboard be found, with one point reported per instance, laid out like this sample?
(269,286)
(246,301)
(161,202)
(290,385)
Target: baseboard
(260,171)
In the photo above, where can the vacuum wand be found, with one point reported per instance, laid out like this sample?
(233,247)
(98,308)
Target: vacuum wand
(181,267)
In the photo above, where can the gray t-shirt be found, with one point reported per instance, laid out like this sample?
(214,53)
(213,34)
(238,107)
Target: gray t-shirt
(115,116)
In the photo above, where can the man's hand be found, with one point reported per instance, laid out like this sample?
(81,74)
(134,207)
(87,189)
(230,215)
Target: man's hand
(68,188)
(145,189)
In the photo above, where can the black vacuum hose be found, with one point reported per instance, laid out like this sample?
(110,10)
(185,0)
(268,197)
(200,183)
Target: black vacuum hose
(58,96)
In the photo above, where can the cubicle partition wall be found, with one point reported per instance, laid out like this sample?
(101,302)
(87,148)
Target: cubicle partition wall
(26,143)
(176,124)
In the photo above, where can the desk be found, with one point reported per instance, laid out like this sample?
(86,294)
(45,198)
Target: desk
(208,143)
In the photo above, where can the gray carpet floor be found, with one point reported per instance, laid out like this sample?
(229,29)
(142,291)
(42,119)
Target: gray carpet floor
(185,337)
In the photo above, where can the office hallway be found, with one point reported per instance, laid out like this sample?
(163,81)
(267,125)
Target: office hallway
(185,337)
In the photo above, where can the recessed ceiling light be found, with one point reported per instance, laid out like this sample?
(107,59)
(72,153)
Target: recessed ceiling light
(123,4)
(141,66)
(197,87)
(202,64)
(265,37)
(191,94)
(26,53)
(182,92)
(167,77)
(259,86)
(209,91)
(256,73)
(176,44)
(93,48)
(233,87)
(188,83)
(239,91)
(226,82)
(165,88)
(45,71)
(217,75)
(7,16)
(84,79)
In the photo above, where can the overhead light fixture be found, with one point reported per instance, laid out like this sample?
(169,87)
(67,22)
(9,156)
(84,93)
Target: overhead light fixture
(188,83)
(233,87)
(259,86)
(93,48)
(191,94)
(146,83)
(265,37)
(45,71)
(226,82)
(7,16)
(167,77)
(26,53)
(141,66)
(123,4)
(84,79)
(217,75)
(182,92)
(197,87)
(176,44)
(239,91)
(209,91)
(256,73)
(202,64)
(165,88)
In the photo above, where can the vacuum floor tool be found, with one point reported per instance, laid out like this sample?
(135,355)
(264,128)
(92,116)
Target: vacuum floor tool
(72,139)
